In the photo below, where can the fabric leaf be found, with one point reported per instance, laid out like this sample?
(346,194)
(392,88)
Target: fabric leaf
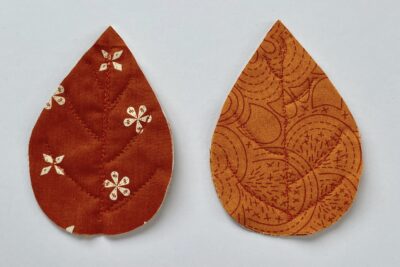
(286,152)
(81,133)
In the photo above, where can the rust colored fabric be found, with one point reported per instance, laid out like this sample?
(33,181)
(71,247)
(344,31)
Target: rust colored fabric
(286,152)
(101,153)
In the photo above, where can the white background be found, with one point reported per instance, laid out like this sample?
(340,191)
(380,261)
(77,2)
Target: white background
(192,52)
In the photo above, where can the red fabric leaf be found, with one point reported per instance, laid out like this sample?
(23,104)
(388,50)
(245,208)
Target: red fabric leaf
(101,151)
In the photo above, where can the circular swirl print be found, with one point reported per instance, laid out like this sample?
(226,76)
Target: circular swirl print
(286,152)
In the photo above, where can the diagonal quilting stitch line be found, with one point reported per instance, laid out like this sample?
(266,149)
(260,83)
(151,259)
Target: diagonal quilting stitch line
(252,193)
(81,121)
(322,160)
(124,149)
(321,199)
(263,201)
(83,189)
(297,98)
(118,99)
(94,74)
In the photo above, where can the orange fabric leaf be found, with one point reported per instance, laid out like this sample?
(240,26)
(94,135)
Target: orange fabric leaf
(101,151)
(286,152)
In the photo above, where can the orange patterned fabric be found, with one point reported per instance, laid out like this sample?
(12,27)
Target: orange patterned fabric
(286,153)
(101,151)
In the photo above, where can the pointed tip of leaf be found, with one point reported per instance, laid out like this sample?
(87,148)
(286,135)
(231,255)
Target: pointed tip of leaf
(279,23)
(110,38)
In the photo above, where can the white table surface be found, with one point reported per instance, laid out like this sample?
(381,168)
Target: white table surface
(192,52)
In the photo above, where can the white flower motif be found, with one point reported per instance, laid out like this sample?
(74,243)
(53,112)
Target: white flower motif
(56,96)
(70,229)
(137,118)
(111,60)
(117,186)
(53,162)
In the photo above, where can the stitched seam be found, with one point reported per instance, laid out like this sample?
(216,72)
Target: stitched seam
(102,175)
(118,99)
(126,148)
(251,193)
(322,161)
(81,187)
(74,114)
(284,125)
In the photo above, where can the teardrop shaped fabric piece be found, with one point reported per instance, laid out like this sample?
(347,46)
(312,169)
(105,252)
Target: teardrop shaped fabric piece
(286,152)
(101,152)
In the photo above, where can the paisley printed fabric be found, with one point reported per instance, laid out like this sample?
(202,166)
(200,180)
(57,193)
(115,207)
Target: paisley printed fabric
(286,152)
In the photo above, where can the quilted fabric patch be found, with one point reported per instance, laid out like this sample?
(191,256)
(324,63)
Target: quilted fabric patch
(286,152)
(100,154)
